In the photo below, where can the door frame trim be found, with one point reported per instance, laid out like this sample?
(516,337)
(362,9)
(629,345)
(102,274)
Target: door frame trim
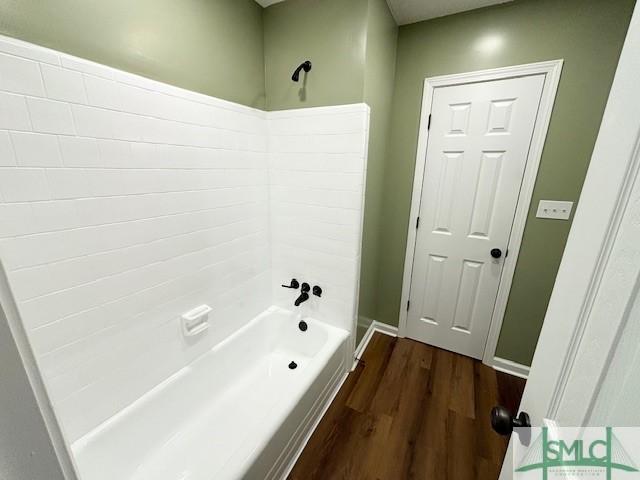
(552,71)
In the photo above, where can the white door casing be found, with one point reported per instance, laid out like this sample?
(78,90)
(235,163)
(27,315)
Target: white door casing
(478,144)
(549,72)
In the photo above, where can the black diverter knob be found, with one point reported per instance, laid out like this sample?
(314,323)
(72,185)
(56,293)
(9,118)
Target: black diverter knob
(294,284)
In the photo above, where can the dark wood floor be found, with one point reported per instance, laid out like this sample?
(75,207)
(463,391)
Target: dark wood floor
(411,411)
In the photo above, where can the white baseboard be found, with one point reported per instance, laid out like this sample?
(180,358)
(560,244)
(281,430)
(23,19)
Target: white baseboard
(512,368)
(374,326)
(384,328)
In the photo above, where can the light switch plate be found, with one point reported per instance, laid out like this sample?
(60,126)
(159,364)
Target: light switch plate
(554,209)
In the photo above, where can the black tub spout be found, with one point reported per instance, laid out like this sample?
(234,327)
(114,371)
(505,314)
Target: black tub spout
(301,299)
(304,294)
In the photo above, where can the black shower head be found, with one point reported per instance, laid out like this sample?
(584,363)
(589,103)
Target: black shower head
(306,66)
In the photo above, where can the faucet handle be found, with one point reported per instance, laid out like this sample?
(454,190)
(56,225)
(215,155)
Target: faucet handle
(317,291)
(305,287)
(294,284)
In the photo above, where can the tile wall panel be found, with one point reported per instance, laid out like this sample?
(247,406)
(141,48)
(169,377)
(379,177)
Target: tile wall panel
(124,203)
(317,159)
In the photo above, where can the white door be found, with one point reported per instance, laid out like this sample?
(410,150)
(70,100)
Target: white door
(477,149)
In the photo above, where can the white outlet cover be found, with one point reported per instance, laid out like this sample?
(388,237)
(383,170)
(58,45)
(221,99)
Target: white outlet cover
(554,209)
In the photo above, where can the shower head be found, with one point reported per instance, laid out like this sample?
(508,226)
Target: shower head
(306,66)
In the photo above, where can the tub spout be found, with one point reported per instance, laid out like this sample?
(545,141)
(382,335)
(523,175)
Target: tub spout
(302,298)
(304,294)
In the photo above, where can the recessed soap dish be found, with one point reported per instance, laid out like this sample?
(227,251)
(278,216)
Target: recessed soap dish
(195,321)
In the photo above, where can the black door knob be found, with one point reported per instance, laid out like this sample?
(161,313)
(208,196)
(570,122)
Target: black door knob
(503,422)
(496,252)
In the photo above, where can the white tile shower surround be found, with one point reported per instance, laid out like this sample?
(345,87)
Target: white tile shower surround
(317,167)
(125,202)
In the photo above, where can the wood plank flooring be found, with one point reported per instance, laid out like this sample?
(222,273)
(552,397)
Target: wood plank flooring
(411,411)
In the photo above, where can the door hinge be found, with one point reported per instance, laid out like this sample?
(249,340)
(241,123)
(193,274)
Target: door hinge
(417,222)
(408,303)
(429,122)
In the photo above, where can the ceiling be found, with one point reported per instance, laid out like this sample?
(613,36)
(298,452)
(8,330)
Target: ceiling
(410,11)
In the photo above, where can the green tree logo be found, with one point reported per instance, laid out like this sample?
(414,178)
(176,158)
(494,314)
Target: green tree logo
(606,453)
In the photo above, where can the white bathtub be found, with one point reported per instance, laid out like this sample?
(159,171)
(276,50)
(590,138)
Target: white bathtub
(236,412)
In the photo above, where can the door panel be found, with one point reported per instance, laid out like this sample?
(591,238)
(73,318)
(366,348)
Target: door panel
(476,155)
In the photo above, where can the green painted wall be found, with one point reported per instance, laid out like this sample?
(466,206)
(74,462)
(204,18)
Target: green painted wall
(210,46)
(588,34)
(379,79)
(330,33)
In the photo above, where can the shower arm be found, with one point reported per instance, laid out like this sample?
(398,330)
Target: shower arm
(306,66)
